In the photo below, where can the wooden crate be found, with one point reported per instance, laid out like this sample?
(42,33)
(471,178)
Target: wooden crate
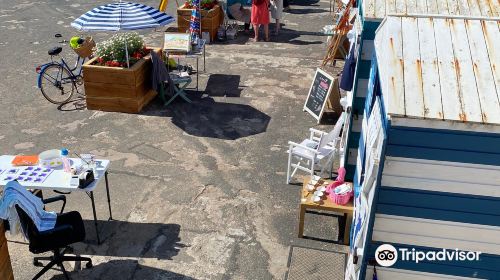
(5,265)
(118,89)
(211,20)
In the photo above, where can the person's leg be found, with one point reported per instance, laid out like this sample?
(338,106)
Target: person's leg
(279,14)
(256,30)
(266,31)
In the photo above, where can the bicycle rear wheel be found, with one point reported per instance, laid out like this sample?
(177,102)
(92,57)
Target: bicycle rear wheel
(57,86)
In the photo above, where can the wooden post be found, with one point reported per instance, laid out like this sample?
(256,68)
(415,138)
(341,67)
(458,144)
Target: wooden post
(5,265)
(347,230)
(333,101)
(302,215)
(163,5)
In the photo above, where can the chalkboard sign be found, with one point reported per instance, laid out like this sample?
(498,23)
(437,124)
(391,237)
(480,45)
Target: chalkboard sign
(318,94)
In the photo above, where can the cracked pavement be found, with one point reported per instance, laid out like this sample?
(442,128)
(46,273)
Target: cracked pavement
(197,189)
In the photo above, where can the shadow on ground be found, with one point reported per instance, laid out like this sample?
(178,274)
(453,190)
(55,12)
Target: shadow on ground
(289,36)
(75,104)
(286,35)
(224,85)
(126,269)
(126,239)
(297,11)
(241,38)
(313,3)
(292,37)
(205,117)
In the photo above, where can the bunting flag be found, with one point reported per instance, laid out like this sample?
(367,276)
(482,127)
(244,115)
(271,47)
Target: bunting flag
(195,22)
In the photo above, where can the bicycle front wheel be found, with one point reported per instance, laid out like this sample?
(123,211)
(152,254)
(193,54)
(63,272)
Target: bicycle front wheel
(57,84)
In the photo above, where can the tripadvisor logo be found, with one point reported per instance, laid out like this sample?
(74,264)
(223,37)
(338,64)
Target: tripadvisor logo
(387,255)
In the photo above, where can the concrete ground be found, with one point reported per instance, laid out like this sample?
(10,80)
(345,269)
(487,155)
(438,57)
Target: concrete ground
(198,190)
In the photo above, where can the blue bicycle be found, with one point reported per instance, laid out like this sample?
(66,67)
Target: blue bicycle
(56,80)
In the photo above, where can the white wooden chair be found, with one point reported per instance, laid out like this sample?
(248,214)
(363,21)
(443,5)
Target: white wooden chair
(316,151)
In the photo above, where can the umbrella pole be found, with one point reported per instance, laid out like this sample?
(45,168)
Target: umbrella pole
(126,54)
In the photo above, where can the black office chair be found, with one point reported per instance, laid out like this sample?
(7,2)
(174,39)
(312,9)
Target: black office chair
(69,229)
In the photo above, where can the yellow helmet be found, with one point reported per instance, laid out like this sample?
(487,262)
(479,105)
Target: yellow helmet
(73,42)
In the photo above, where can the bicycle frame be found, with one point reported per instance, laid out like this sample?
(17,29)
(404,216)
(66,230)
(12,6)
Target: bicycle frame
(63,63)
(75,67)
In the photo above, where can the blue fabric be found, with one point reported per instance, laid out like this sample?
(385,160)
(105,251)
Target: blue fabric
(232,2)
(15,194)
(347,79)
(121,16)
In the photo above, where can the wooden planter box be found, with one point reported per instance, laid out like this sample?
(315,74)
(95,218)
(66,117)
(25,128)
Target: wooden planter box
(210,20)
(5,265)
(118,89)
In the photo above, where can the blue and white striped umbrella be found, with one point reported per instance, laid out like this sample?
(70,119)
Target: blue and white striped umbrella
(121,16)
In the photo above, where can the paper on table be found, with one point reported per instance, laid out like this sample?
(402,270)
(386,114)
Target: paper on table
(25,160)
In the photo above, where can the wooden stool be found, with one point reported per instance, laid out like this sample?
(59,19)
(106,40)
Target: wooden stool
(324,204)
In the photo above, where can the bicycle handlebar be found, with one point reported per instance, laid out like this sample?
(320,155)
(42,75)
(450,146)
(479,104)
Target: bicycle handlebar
(58,35)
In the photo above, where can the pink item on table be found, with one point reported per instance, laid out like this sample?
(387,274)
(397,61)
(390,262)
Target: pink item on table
(339,181)
(330,188)
(340,199)
(341,171)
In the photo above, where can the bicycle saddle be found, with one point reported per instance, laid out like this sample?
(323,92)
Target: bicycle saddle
(55,50)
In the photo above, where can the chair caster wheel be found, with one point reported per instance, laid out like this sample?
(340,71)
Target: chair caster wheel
(37,263)
(88,265)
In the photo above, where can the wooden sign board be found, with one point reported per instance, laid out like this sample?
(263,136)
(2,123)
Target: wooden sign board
(333,102)
(319,92)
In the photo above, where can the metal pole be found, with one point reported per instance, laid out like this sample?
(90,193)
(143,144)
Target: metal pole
(126,54)
(107,192)
(126,48)
(197,73)
(95,217)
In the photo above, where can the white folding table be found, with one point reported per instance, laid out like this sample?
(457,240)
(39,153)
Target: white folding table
(59,180)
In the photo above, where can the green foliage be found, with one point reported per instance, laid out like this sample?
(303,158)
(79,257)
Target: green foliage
(204,4)
(114,48)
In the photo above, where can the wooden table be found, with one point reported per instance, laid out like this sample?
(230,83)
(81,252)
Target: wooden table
(324,204)
(5,266)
